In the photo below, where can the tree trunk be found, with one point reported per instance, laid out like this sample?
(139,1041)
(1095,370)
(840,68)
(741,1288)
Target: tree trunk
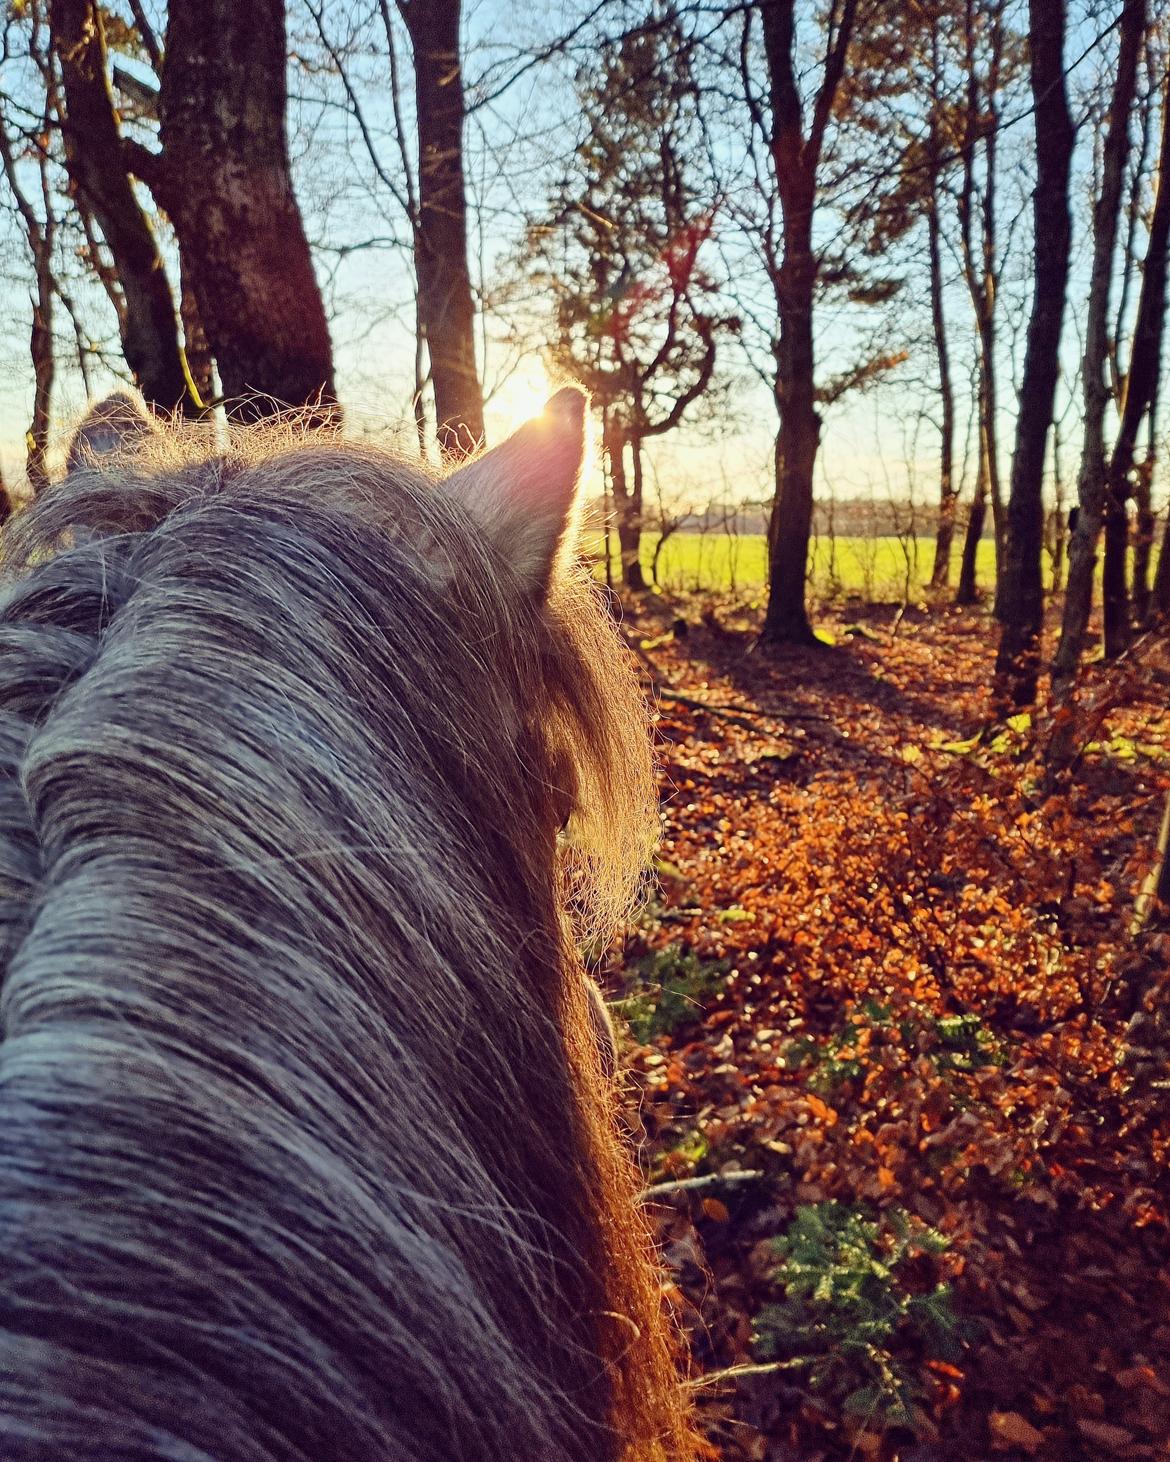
(981,266)
(790,526)
(1021,599)
(1160,601)
(629,508)
(1143,541)
(968,590)
(444,282)
(227,186)
(1082,554)
(93,150)
(948,494)
(1140,391)
(44,363)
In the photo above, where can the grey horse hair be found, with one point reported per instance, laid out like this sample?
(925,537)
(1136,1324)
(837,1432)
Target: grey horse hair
(306,791)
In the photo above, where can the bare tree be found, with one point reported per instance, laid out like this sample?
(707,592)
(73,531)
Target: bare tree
(147,317)
(445,303)
(620,253)
(1138,400)
(948,487)
(39,226)
(796,143)
(1082,553)
(1021,597)
(977,203)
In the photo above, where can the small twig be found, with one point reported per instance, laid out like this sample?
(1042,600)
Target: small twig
(697,1185)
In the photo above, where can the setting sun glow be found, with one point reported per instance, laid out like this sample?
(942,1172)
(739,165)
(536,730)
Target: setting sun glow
(518,399)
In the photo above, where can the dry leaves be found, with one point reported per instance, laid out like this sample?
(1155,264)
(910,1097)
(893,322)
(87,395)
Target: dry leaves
(917,1004)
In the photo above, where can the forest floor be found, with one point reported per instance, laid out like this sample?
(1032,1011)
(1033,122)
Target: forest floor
(878,1005)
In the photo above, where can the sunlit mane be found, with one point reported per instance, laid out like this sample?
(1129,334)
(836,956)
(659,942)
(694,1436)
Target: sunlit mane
(306,1149)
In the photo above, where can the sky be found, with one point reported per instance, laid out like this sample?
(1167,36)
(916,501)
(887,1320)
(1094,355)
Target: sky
(518,136)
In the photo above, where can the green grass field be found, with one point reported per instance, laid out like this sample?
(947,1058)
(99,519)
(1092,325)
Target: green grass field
(874,568)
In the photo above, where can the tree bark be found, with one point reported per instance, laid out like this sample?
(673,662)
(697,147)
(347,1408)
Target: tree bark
(200,361)
(1082,553)
(1141,385)
(226,183)
(97,170)
(1021,600)
(444,281)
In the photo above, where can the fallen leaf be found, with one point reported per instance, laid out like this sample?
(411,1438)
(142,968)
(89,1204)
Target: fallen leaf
(1104,1433)
(1010,1429)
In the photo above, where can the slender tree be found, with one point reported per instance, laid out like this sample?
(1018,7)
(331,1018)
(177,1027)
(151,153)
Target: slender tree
(1138,398)
(445,304)
(39,224)
(796,144)
(1082,552)
(977,205)
(1021,597)
(948,497)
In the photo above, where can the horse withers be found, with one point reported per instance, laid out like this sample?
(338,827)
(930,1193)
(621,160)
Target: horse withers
(312,771)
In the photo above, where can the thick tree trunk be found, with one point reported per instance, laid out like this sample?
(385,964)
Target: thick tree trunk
(444,282)
(1082,555)
(1021,598)
(93,149)
(226,184)
(1141,387)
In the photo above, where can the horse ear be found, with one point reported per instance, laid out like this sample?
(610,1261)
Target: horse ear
(108,428)
(524,492)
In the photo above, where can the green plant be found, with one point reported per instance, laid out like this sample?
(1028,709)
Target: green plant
(669,989)
(856,1304)
(837,1059)
(965,1043)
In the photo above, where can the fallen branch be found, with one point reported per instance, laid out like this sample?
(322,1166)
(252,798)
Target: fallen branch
(747,717)
(698,1185)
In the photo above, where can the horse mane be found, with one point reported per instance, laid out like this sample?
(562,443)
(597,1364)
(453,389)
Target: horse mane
(305,1149)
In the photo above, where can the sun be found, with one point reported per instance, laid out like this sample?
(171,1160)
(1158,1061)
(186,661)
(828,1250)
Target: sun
(521,397)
